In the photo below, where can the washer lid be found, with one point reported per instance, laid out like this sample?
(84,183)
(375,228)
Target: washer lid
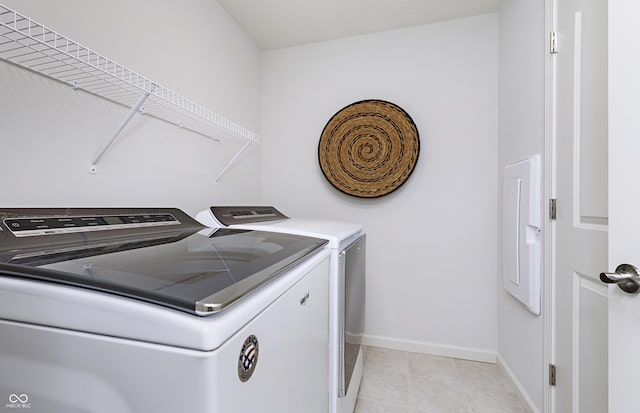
(172,265)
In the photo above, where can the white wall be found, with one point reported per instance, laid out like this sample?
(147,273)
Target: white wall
(522,86)
(432,244)
(51,133)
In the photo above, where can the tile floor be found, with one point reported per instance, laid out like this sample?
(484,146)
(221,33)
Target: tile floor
(402,382)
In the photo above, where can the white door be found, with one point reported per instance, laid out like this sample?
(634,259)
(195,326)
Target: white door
(624,201)
(580,299)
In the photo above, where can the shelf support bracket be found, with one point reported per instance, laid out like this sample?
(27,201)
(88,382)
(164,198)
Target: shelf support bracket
(134,109)
(232,161)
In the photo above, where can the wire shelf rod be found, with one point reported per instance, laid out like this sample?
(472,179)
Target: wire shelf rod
(231,162)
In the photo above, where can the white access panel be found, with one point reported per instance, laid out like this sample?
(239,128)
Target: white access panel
(521,228)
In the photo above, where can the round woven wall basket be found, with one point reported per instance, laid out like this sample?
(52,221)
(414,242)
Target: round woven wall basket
(369,148)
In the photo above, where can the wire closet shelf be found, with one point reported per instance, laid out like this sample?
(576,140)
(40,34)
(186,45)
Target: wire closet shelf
(32,45)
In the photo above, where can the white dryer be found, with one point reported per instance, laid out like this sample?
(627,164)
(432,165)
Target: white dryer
(347,286)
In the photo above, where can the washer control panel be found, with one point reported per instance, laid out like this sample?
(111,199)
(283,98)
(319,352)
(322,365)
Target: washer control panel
(43,225)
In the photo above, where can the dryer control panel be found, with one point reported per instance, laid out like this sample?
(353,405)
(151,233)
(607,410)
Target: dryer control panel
(230,215)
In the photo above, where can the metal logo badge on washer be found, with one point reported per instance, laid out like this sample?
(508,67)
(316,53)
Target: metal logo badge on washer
(248,358)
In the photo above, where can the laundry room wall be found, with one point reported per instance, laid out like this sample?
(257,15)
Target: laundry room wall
(51,132)
(522,134)
(432,244)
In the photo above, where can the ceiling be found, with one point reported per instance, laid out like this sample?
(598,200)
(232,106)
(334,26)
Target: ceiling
(274,24)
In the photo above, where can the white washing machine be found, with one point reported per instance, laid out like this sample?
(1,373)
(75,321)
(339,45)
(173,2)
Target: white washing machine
(346,243)
(139,310)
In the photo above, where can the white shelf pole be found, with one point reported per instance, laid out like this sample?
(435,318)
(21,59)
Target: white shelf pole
(120,127)
(232,161)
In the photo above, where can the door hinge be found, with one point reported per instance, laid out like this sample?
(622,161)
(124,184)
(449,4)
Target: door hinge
(553,43)
(552,374)
(552,208)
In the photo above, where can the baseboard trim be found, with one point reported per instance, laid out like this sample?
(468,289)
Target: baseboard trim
(466,353)
(520,391)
